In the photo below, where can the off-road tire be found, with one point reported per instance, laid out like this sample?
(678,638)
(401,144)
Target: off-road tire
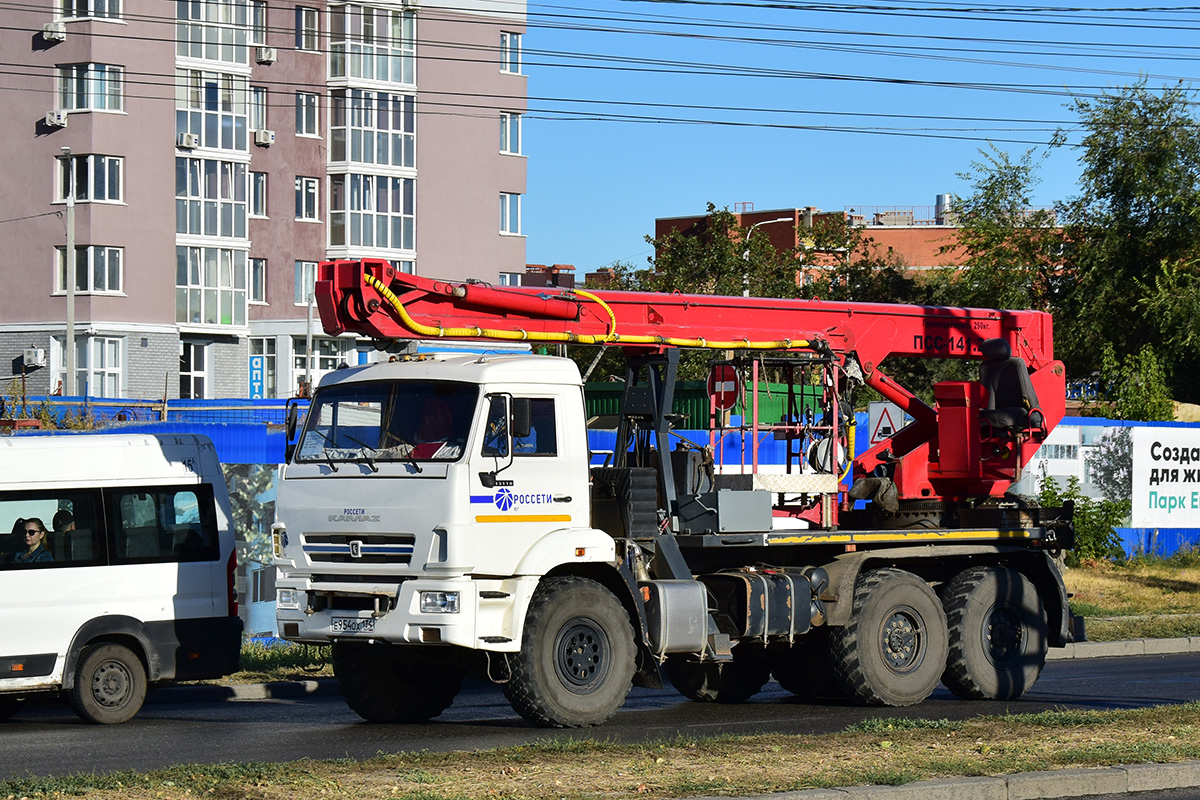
(386,684)
(10,704)
(998,634)
(892,652)
(733,681)
(577,657)
(110,684)
(806,668)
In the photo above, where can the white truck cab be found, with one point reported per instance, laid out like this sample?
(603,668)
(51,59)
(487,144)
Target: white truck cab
(409,513)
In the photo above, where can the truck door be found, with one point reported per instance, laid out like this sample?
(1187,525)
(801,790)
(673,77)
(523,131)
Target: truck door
(538,486)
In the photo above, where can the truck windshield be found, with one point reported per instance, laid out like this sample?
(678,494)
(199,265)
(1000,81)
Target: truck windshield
(389,421)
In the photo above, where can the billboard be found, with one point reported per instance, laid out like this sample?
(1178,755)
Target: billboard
(1166,477)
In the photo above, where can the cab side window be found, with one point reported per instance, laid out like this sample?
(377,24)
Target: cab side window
(543,435)
(495,432)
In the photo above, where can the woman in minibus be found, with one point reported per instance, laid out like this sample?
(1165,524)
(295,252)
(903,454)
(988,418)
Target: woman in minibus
(35,544)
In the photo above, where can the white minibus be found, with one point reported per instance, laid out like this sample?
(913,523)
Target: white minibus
(118,572)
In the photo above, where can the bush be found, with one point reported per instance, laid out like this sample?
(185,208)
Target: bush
(1095,521)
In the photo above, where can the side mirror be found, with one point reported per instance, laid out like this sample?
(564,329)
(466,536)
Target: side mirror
(289,428)
(521,417)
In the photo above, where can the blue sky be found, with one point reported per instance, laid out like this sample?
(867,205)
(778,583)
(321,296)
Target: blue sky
(597,184)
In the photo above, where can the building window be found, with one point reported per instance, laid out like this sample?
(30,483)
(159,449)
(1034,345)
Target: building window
(213,106)
(306,281)
(510,212)
(193,370)
(510,52)
(97,270)
(306,114)
(265,347)
(210,286)
(404,267)
(258,194)
(213,31)
(1068,452)
(98,370)
(307,207)
(510,133)
(372,128)
(258,22)
(258,108)
(90,87)
(510,279)
(210,197)
(327,354)
(91,178)
(373,43)
(308,29)
(372,211)
(258,280)
(104,9)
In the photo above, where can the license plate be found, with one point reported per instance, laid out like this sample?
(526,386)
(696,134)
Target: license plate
(352,625)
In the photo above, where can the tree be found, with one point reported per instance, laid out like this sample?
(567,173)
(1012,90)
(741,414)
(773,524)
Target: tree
(252,516)
(852,268)
(1135,387)
(1132,233)
(1012,250)
(1111,463)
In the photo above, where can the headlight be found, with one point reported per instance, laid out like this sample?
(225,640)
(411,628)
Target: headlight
(439,602)
(287,598)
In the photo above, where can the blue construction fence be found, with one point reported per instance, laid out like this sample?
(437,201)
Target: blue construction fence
(252,432)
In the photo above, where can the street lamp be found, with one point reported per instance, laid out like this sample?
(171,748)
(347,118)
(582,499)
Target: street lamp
(69,265)
(746,252)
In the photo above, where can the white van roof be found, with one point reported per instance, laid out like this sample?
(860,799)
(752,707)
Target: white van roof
(62,460)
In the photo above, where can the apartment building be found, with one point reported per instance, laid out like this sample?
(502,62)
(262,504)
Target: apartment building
(208,153)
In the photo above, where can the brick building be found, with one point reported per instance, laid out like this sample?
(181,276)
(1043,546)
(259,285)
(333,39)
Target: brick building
(214,151)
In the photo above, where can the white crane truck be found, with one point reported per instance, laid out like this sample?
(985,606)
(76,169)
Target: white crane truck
(441,513)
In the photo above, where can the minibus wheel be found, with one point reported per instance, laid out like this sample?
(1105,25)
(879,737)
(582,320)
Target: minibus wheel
(110,684)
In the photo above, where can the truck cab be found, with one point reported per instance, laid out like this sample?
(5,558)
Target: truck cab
(425,497)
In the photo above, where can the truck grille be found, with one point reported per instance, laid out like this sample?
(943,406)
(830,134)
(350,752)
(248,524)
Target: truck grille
(350,548)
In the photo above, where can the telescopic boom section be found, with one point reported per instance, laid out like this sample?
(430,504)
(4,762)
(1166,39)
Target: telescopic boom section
(371,298)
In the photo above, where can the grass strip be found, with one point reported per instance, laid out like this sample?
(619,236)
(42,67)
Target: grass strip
(876,751)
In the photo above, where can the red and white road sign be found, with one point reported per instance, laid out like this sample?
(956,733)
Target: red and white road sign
(884,420)
(724,386)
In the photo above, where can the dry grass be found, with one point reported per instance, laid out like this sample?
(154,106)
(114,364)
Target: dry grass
(877,752)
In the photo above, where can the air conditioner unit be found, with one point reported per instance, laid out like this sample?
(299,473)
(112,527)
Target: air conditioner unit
(264,137)
(57,118)
(266,55)
(55,31)
(35,357)
(188,141)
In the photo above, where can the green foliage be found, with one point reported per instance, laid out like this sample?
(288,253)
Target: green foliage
(1012,251)
(1131,234)
(1095,520)
(258,657)
(890,724)
(1134,388)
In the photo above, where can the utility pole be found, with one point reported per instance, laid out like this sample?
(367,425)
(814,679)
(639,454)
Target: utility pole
(69,382)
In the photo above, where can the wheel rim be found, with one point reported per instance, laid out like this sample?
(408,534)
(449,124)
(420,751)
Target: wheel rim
(112,684)
(1003,635)
(581,655)
(902,640)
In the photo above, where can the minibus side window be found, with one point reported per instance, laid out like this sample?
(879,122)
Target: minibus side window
(164,524)
(74,533)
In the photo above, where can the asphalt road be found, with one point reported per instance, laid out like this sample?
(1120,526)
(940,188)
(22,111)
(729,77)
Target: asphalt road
(47,738)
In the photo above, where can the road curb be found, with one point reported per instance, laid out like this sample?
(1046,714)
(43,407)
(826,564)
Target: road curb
(1128,647)
(1020,786)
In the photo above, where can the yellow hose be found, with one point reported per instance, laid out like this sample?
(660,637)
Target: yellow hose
(612,337)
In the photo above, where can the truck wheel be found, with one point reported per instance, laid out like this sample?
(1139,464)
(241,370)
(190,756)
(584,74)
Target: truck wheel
(110,684)
(998,636)
(577,658)
(806,668)
(10,704)
(383,684)
(733,681)
(893,650)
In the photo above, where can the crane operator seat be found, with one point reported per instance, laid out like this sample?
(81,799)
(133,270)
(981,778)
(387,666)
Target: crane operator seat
(1012,401)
